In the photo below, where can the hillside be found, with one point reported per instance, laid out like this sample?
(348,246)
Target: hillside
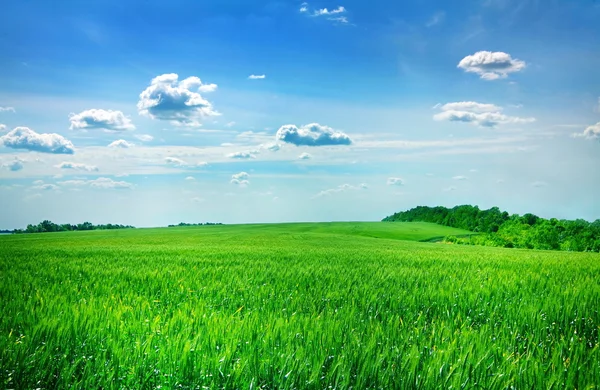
(510,231)
(191,235)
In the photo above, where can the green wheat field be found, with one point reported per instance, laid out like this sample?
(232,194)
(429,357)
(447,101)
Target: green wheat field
(293,306)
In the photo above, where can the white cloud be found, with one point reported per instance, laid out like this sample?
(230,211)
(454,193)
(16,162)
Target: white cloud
(273,147)
(175,161)
(470,106)
(45,187)
(240,179)
(208,88)
(107,183)
(243,155)
(177,102)
(491,65)
(25,138)
(230,124)
(121,143)
(7,109)
(459,178)
(334,15)
(480,114)
(257,77)
(395,181)
(144,137)
(101,119)
(325,11)
(99,183)
(304,156)
(15,165)
(437,18)
(77,166)
(312,134)
(340,19)
(190,178)
(591,132)
(2,127)
(340,188)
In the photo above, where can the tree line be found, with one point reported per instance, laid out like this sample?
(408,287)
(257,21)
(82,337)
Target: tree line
(498,228)
(181,224)
(49,226)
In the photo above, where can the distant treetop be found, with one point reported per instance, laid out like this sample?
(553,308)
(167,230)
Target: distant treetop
(48,227)
(498,228)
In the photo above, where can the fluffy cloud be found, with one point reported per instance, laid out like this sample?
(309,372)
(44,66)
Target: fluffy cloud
(121,143)
(240,179)
(395,181)
(15,165)
(177,101)
(304,156)
(334,15)
(491,65)
(470,106)
(459,178)
(325,11)
(25,138)
(2,127)
(99,183)
(257,77)
(341,188)
(101,119)
(312,134)
(144,137)
(243,155)
(77,166)
(190,178)
(480,114)
(7,109)
(591,132)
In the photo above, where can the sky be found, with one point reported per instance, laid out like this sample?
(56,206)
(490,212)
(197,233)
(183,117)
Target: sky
(238,111)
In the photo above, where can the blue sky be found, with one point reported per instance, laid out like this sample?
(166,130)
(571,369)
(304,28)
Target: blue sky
(150,113)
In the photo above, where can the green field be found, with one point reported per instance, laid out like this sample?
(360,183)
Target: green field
(304,306)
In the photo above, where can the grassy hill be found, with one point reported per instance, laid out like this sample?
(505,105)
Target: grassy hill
(305,306)
(188,236)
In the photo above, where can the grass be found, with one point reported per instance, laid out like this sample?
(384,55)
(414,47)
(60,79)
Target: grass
(305,306)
